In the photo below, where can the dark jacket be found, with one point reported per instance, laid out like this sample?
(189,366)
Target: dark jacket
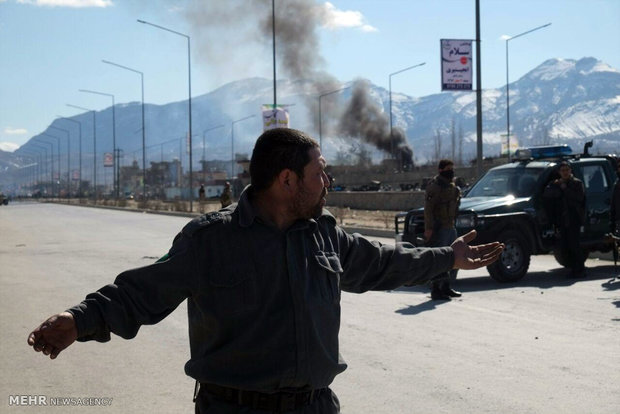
(263,305)
(567,205)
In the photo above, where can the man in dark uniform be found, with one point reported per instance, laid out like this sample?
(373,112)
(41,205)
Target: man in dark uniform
(263,279)
(614,210)
(567,212)
(440,208)
(226,196)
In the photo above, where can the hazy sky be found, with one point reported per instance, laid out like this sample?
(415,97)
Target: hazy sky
(49,49)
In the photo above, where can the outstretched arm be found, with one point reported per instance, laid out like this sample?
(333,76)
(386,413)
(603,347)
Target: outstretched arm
(54,335)
(473,257)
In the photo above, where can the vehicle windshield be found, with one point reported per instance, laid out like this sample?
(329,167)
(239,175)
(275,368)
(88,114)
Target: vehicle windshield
(519,182)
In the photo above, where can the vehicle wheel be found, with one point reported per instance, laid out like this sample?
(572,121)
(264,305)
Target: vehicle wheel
(563,257)
(514,261)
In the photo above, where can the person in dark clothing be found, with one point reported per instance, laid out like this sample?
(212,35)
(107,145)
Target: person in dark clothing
(226,196)
(263,279)
(614,209)
(441,205)
(567,201)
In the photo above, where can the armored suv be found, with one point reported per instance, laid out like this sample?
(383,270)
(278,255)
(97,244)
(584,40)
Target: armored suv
(506,204)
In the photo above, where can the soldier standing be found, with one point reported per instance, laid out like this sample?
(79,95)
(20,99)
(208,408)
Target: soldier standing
(225,198)
(568,199)
(614,210)
(440,209)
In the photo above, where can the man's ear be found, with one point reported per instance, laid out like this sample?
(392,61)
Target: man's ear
(287,179)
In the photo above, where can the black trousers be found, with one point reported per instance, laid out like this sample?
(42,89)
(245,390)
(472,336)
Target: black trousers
(570,244)
(326,403)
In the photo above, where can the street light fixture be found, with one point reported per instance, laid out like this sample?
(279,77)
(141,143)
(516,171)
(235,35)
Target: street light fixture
(189,77)
(320,119)
(232,144)
(390,85)
(143,130)
(94,149)
(508,87)
(115,174)
(80,149)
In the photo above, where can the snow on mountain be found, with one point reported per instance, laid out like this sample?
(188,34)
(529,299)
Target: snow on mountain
(560,101)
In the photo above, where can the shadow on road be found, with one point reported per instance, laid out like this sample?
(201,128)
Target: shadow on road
(542,280)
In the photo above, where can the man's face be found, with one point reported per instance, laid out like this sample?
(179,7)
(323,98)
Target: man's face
(312,189)
(565,172)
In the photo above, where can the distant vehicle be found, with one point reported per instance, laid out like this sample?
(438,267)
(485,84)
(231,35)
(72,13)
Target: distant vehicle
(506,205)
(4,200)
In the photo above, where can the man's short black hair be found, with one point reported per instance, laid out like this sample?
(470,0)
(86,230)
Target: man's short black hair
(564,164)
(276,150)
(444,163)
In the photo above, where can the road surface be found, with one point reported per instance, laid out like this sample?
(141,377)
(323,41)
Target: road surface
(544,345)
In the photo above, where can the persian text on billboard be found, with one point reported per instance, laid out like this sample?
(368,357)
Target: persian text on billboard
(456,62)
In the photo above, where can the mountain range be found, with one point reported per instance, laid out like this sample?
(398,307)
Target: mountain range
(562,101)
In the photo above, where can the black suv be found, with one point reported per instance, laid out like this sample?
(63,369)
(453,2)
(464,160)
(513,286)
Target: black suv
(506,205)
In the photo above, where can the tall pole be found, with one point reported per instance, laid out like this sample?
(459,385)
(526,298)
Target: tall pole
(204,133)
(80,146)
(143,130)
(508,86)
(68,157)
(320,119)
(51,144)
(273,35)
(390,86)
(189,83)
(232,144)
(94,149)
(115,179)
(47,163)
(478,95)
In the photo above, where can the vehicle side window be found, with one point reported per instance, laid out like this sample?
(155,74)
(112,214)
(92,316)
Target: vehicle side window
(594,179)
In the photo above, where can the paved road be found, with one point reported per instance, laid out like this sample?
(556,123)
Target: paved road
(543,345)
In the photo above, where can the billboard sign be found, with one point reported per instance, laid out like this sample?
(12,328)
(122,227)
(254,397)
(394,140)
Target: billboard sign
(456,65)
(275,117)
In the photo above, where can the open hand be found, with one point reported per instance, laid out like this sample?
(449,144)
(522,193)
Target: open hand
(54,335)
(473,257)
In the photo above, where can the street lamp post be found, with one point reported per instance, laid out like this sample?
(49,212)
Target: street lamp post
(115,172)
(204,133)
(68,156)
(189,77)
(58,187)
(143,130)
(390,85)
(232,144)
(320,119)
(80,150)
(40,140)
(94,149)
(508,87)
(47,164)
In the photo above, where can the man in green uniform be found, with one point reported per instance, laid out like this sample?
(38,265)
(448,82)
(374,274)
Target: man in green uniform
(263,280)
(440,208)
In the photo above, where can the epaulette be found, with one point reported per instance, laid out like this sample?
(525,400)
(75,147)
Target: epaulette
(325,214)
(202,222)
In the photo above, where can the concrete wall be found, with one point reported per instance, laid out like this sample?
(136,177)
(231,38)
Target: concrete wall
(376,200)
